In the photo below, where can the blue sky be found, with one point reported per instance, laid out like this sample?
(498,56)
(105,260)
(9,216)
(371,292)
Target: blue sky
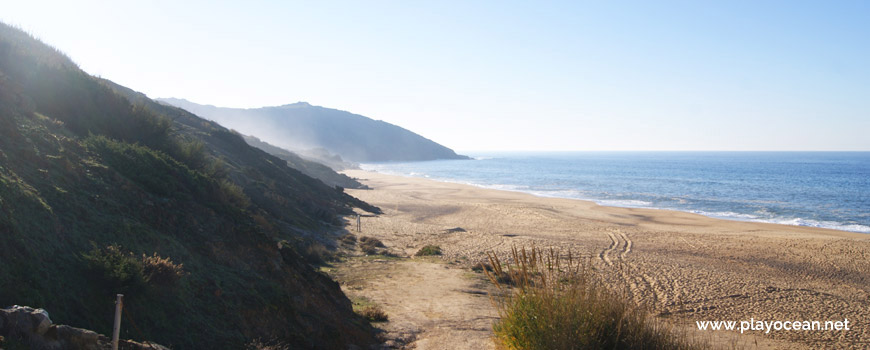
(501,75)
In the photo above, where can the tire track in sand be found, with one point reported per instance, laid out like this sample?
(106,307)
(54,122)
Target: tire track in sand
(620,246)
(605,254)
(638,281)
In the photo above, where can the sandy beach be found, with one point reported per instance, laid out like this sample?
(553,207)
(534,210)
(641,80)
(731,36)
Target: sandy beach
(684,267)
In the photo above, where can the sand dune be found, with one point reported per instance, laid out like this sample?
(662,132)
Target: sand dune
(685,267)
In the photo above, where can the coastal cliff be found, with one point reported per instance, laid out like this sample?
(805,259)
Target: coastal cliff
(103,191)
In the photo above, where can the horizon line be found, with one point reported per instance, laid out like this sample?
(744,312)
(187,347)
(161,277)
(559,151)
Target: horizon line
(658,150)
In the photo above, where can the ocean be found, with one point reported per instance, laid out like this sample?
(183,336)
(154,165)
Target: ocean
(818,189)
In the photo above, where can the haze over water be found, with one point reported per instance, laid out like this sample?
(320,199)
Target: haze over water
(818,189)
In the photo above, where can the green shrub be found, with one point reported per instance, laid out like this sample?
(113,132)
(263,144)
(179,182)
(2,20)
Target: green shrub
(429,250)
(191,153)
(154,170)
(556,303)
(123,272)
(234,194)
(116,270)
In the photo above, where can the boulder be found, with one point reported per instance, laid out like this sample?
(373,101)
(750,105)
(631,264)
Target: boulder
(34,327)
(29,324)
(77,338)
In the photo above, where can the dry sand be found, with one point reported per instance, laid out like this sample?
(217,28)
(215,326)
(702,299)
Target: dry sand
(685,267)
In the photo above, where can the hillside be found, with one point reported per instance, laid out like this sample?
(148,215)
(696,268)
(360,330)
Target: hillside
(302,126)
(313,168)
(104,191)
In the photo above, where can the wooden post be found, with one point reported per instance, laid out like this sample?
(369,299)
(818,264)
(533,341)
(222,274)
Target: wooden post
(116,332)
(358,223)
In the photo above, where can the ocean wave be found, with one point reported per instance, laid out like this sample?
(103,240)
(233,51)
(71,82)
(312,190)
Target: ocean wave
(502,187)
(820,224)
(730,215)
(570,194)
(628,203)
(726,215)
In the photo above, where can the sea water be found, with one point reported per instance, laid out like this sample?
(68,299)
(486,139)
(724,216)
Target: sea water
(819,189)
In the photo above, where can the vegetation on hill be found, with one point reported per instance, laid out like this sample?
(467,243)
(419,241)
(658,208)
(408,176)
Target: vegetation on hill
(301,125)
(104,191)
(311,168)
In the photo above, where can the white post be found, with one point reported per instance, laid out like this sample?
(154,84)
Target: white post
(116,333)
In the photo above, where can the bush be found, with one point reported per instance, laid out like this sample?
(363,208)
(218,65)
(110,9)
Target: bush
(481,266)
(317,254)
(370,245)
(373,313)
(123,272)
(557,303)
(348,239)
(191,153)
(154,170)
(118,271)
(161,271)
(233,194)
(429,250)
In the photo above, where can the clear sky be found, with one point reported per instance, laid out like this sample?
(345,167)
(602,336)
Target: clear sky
(501,75)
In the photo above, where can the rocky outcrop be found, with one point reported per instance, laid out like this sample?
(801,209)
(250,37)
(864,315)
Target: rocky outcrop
(33,328)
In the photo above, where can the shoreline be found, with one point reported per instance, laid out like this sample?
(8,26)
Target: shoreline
(684,267)
(592,202)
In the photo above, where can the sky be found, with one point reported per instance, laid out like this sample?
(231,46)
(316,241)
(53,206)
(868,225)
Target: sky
(500,75)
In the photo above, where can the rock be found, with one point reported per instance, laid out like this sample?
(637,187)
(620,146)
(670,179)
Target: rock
(42,321)
(34,328)
(27,319)
(16,320)
(77,338)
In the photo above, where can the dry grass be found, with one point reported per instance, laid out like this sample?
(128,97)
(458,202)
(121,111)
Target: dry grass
(373,313)
(481,266)
(548,301)
(348,239)
(318,254)
(162,271)
(369,310)
(274,344)
(370,245)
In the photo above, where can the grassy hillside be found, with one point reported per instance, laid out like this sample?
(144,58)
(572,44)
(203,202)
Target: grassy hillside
(94,178)
(308,167)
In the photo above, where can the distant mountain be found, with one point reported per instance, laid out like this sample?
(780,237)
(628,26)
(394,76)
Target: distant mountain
(302,126)
(105,191)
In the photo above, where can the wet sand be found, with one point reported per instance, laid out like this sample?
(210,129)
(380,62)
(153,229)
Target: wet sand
(684,267)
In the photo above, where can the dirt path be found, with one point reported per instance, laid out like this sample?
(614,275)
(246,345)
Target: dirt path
(431,304)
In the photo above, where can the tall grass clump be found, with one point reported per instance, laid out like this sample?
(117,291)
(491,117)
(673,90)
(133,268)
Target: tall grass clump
(550,301)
